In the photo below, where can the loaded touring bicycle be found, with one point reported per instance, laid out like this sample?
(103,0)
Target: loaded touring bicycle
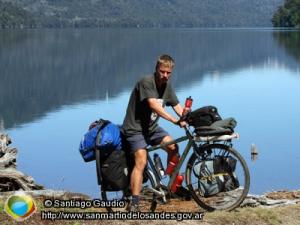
(216,174)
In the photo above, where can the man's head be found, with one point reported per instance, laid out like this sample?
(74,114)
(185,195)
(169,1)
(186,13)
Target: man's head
(164,68)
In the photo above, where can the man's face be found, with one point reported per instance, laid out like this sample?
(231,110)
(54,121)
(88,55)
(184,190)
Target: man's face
(164,73)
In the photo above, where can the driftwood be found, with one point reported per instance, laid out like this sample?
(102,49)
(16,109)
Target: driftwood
(272,199)
(10,178)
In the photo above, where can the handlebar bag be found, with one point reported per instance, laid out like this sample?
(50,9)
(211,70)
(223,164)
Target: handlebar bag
(204,116)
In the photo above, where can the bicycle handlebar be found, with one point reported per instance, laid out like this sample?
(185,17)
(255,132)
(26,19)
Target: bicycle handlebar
(182,118)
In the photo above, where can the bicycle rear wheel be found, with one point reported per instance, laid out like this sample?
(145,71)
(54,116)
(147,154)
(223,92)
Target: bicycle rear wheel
(112,197)
(148,199)
(223,200)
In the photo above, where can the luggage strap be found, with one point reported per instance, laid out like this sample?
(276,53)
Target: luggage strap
(213,176)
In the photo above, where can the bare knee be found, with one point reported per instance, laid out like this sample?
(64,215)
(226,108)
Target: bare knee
(173,148)
(140,158)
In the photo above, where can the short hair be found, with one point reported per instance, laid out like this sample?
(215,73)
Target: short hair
(165,60)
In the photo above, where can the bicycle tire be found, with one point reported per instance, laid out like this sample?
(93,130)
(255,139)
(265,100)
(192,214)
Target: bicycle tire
(226,201)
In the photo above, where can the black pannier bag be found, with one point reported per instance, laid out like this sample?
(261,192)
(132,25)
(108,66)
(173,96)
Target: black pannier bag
(112,170)
(204,116)
(216,175)
(112,163)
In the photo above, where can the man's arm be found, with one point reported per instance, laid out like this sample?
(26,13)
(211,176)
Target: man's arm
(178,109)
(156,107)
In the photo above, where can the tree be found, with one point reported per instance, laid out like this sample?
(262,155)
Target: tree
(12,16)
(287,15)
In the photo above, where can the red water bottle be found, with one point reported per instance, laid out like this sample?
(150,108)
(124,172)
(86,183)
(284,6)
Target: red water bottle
(177,183)
(187,105)
(172,164)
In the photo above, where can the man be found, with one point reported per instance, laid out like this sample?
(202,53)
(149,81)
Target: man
(140,127)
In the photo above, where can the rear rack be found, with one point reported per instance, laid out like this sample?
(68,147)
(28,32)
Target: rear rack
(216,138)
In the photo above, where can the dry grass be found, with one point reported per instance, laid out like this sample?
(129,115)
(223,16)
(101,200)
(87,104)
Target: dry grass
(289,215)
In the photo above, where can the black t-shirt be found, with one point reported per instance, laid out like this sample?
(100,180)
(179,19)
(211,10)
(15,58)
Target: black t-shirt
(139,117)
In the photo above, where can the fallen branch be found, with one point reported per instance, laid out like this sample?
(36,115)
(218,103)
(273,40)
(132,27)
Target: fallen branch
(10,178)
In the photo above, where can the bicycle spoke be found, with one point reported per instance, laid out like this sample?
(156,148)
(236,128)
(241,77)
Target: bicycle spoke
(207,193)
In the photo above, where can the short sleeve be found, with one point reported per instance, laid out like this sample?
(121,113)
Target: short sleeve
(147,89)
(171,98)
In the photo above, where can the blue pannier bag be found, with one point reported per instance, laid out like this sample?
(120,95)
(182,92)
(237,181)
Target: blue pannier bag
(109,138)
(102,135)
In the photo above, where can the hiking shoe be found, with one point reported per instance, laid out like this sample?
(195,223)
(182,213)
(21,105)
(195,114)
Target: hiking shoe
(182,193)
(133,208)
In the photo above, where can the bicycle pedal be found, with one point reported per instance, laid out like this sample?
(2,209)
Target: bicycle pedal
(162,202)
(152,190)
(182,193)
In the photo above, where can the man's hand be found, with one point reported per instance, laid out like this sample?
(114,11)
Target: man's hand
(161,112)
(181,123)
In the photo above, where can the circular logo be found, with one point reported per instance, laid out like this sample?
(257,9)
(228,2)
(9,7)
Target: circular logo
(20,206)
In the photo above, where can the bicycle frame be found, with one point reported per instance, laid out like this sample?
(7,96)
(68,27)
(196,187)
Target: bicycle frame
(191,143)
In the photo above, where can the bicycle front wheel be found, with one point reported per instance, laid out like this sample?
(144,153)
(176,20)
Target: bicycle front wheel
(211,192)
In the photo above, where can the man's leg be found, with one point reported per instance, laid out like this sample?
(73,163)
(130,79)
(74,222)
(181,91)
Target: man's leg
(140,157)
(172,150)
(160,136)
(136,146)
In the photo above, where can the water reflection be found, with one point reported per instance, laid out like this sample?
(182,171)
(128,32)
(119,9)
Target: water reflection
(290,40)
(42,70)
(75,76)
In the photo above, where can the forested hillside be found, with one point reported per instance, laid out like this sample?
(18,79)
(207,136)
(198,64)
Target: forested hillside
(288,15)
(150,13)
(12,16)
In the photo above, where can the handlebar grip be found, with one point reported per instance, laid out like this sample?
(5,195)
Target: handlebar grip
(184,117)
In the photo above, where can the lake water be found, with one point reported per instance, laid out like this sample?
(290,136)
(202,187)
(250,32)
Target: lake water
(53,83)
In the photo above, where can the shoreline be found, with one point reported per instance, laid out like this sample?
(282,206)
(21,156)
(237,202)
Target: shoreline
(279,213)
(267,200)
(273,208)
(12,181)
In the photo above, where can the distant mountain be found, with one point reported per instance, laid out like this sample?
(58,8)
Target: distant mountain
(150,13)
